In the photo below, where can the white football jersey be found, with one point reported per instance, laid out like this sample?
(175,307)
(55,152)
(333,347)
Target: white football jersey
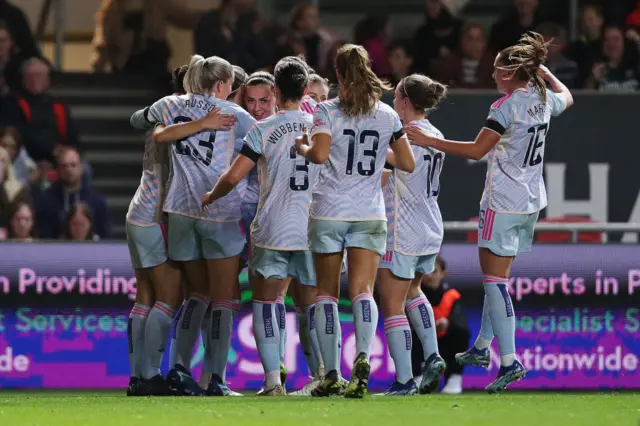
(348,188)
(514,182)
(286,181)
(145,208)
(198,161)
(414,222)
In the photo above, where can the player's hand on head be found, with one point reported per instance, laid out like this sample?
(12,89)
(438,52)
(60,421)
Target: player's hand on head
(544,72)
(215,120)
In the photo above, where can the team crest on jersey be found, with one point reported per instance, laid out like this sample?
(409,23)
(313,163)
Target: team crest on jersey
(318,122)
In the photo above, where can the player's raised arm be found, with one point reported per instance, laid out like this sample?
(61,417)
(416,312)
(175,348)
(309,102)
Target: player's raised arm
(557,86)
(212,121)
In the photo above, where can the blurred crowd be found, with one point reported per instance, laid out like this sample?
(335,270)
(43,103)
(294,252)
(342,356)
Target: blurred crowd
(131,36)
(45,187)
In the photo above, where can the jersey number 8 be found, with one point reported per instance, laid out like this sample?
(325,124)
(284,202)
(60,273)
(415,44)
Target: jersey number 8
(183,149)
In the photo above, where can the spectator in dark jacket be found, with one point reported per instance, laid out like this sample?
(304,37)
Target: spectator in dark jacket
(508,30)
(438,37)
(588,48)
(471,67)
(53,204)
(235,32)
(562,67)
(42,120)
(10,61)
(451,324)
(19,28)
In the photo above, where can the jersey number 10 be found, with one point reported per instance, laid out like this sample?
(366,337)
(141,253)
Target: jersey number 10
(183,149)
(538,135)
(434,164)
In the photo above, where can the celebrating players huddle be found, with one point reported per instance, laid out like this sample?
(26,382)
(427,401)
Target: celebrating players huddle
(263,169)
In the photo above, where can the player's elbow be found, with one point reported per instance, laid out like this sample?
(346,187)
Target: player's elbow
(476,155)
(569,99)
(231,179)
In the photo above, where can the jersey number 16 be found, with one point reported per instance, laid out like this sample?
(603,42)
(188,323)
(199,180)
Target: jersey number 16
(538,135)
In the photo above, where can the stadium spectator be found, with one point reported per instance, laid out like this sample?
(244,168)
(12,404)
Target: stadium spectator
(10,61)
(19,29)
(44,122)
(471,67)
(53,204)
(438,37)
(305,23)
(373,32)
(24,167)
(21,227)
(507,31)
(633,18)
(587,49)
(562,67)
(11,191)
(236,32)
(79,224)
(329,70)
(131,35)
(400,59)
(451,323)
(617,70)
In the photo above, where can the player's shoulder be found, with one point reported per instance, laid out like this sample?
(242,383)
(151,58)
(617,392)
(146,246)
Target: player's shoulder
(308,104)
(430,129)
(306,117)
(330,105)
(169,100)
(385,109)
(229,107)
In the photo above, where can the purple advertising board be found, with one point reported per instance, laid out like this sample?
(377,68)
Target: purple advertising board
(64,311)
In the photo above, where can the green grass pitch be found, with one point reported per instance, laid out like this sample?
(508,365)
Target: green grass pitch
(35,408)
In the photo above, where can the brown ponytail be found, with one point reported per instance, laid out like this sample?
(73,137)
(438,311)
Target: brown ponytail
(423,92)
(360,88)
(525,58)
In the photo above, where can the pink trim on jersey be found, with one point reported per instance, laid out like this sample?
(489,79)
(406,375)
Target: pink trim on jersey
(488,225)
(388,256)
(499,102)
(306,107)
